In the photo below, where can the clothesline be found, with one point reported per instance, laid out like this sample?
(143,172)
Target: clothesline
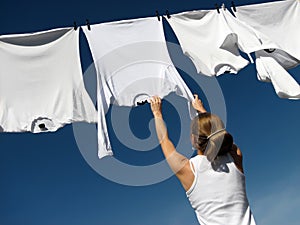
(158,15)
(167,14)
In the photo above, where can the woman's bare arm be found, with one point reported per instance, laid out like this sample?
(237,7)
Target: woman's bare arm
(177,162)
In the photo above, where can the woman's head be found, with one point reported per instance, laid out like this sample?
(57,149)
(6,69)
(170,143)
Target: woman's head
(208,135)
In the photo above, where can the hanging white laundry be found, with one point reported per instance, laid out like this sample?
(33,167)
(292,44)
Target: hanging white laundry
(247,39)
(269,70)
(41,83)
(276,22)
(206,38)
(132,64)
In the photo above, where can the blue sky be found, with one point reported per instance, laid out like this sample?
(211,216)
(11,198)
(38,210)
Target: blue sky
(44,179)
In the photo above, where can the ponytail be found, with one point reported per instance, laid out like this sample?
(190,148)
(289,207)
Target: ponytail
(211,137)
(219,144)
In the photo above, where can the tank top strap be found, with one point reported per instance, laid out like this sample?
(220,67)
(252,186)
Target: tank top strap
(195,162)
(192,167)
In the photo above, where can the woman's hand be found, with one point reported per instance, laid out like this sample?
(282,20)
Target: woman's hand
(198,105)
(155,103)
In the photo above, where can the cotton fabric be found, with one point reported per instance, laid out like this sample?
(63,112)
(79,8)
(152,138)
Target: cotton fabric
(276,22)
(218,193)
(208,41)
(41,83)
(132,64)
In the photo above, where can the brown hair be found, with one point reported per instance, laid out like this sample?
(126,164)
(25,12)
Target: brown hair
(219,143)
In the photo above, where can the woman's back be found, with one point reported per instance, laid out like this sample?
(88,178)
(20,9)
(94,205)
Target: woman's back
(218,193)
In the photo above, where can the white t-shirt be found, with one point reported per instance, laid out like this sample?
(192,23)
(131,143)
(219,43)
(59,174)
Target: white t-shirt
(277,22)
(206,38)
(41,83)
(132,64)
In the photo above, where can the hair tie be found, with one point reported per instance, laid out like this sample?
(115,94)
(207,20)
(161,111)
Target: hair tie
(214,133)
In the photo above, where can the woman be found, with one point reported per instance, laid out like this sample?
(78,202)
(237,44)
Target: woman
(213,180)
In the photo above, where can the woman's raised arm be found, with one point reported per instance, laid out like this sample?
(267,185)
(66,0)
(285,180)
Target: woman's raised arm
(178,163)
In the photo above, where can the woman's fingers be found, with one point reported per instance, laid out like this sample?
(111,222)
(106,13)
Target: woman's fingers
(155,99)
(151,100)
(155,103)
(196,100)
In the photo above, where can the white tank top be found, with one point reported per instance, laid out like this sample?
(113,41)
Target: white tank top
(218,193)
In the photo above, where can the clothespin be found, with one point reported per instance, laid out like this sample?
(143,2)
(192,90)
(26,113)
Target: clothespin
(270,50)
(217,7)
(75,25)
(168,14)
(223,6)
(43,127)
(233,6)
(142,102)
(88,24)
(158,16)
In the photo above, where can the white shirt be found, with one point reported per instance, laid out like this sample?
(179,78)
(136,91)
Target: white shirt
(41,83)
(206,38)
(132,64)
(277,22)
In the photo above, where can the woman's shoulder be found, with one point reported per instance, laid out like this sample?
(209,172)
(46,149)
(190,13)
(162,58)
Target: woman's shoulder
(197,159)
